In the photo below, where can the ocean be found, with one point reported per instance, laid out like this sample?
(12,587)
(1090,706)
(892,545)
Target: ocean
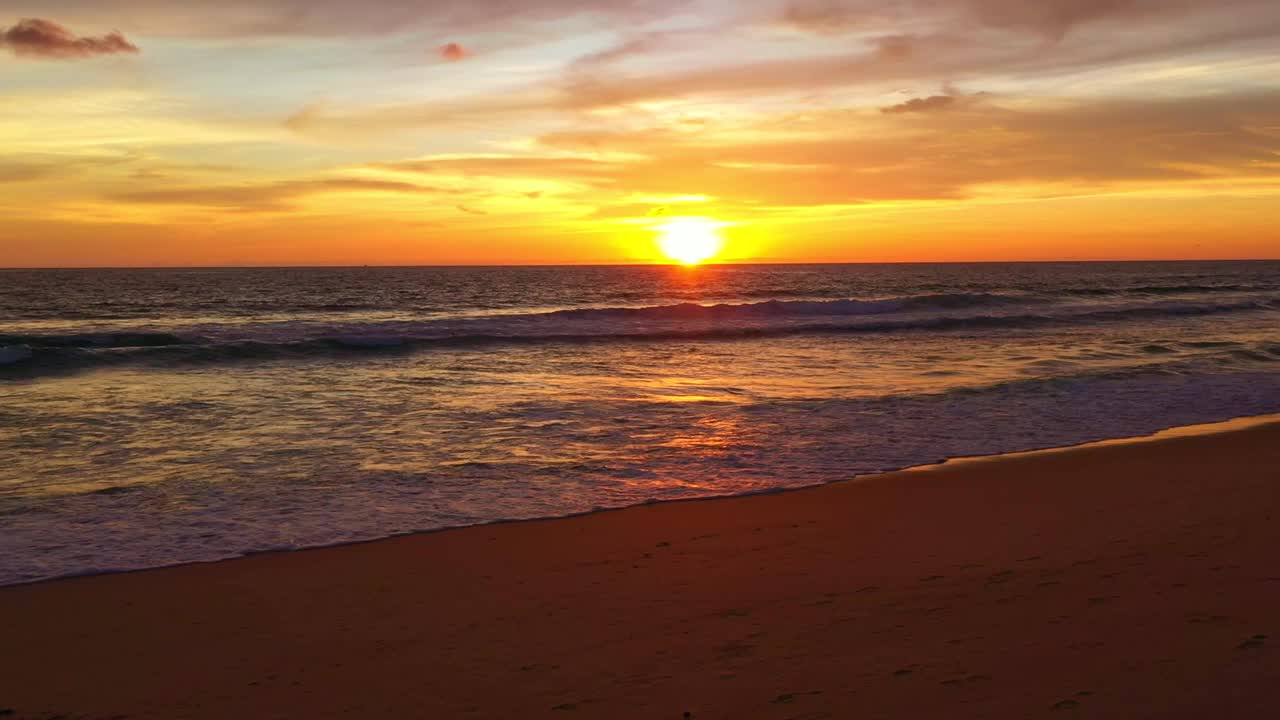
(154,417)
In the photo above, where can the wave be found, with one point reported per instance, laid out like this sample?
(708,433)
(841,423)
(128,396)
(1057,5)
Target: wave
(95,340)
(14,354)
(36,354)
(805,308)
(1161,290)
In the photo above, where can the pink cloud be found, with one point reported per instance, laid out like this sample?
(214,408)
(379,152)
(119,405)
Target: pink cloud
(453,52)
(37,38)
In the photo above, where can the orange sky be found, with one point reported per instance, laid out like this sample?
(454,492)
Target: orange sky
(145,132)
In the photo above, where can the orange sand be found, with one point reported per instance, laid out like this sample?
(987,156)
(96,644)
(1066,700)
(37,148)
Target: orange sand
(1121,581)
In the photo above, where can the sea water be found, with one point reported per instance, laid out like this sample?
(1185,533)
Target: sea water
(152,417)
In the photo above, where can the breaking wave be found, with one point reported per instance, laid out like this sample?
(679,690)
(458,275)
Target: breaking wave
(39,354)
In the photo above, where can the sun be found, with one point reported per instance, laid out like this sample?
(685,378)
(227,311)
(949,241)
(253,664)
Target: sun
(690,241)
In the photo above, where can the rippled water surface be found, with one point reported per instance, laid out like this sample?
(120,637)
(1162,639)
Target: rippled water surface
(156,416)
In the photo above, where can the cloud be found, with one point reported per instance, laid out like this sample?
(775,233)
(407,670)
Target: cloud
(882,58)
(1049,18)
(470,211)
(1008,43)
(318,119)
(577,168)
(35,38)
(631,46)
(453,52)
(932,103)
(1055,18)
(17,172)
(936,41)
(34,167)
(828,17)
(844,157)
(950,99)
(269,196)
(342,18)
(646,43)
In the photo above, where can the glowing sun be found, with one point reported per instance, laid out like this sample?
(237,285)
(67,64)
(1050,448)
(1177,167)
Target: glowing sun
(690,241)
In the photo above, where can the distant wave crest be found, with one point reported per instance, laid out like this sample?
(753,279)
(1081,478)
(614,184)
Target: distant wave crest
(805,308)
(38,354)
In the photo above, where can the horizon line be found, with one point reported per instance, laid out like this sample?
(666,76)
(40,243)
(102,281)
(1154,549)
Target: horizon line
(339,266)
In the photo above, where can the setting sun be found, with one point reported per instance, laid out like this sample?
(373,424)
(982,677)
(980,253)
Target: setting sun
(690,241)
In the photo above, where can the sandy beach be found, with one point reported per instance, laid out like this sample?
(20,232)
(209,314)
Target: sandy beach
(1132,580)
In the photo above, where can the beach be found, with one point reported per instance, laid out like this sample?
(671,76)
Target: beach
(1125,580)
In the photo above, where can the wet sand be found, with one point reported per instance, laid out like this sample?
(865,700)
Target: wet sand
(1135,580)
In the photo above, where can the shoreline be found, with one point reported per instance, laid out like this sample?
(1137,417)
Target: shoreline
(1173,432)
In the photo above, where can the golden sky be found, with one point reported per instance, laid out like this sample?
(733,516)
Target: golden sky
(248,132)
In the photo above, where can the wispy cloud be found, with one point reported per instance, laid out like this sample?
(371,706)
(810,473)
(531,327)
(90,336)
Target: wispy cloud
(1053,19)
(555,114)
(35,167)
(17,172)
(926,104)
(268,196)
(281,18)
(949,99)
(529,166)
(841,158)
(1007,40)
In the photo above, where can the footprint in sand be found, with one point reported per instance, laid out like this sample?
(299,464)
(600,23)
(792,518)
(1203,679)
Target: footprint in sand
(1200,617)
(970,680)
(1254,642)
(788,698)
(737,650)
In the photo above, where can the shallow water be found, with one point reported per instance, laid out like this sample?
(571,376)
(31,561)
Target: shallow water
(162,416)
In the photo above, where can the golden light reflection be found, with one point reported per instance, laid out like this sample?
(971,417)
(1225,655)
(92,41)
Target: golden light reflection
(690,241)
(709,436)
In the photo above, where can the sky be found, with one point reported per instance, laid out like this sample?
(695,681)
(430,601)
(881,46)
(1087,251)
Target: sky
(317,132)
